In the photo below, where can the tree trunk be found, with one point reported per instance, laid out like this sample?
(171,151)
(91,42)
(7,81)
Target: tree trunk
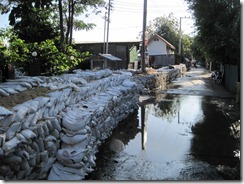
(61,23)
(68,23)
(71,21)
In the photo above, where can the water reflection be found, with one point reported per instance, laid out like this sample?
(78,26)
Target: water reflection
(166,128)
(182,132)
(143,128)
(212,141)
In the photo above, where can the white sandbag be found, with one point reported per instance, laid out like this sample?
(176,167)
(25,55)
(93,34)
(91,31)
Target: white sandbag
(42,101)
(4,111)
(9,90)
(51,111)
(38,115)
(51,138)
(80,145)
(22,138)
(12,143)
(56,124)
(20,88)
(52,148)
(71,122)
(32,160)
(21,112)
(44,156)
(3,92)
(28,134)
(73,133)
(2,139)
(75,155)
(28,120)
(46,130)
(47,166)
(91,159)
(49,125)
(40,144)
(41,133)
(55,133)
(12,159)
(74,139)
(78,80)
(32,105)
(128,83)
(35,147)
(24,165)
(13,129)
(26,84)
(59,172)
(54,98)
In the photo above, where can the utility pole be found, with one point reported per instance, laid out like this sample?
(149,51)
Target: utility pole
(109,7)
(180,38)
(104,36)
(180,34)
(143,36)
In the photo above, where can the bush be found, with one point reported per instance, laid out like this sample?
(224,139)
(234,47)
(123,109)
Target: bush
(50,59)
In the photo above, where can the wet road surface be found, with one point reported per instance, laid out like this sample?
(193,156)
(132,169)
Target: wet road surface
(178,134)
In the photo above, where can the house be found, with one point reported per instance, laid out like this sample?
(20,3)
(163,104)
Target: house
(160,51)
(119,49)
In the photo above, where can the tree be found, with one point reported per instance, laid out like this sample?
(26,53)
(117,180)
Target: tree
(36,26)
(187,43)
(37,20)
(167,27)
(218,25)
(69,10)
(31,20)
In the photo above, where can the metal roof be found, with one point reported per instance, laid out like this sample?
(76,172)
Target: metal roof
(110,57)
(161,38)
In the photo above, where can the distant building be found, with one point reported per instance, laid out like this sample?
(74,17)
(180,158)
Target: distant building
(118,49)
(160,51)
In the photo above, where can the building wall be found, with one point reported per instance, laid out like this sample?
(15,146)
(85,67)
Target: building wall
(118,49)
(157,47)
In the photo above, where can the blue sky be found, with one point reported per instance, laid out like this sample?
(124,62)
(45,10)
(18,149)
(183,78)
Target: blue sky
(127,18)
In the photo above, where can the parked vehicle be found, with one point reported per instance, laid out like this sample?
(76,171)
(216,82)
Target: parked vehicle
(217,77)
(188,64)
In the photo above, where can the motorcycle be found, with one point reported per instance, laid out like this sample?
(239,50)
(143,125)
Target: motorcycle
(217,77)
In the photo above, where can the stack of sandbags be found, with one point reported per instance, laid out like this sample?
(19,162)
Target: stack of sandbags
(16,86)
(86,125)
(35,134)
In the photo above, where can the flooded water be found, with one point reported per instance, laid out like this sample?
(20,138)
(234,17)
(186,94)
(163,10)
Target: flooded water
(170,137)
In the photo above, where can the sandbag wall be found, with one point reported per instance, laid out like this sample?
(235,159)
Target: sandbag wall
(158,80)
(56,136)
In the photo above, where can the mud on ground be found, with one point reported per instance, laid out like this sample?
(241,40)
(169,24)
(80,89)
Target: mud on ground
(10,101)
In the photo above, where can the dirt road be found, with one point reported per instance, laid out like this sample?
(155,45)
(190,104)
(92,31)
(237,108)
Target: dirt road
(198,81)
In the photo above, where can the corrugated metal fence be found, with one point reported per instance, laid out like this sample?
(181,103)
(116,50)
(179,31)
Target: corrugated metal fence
(231,77)
(162,60)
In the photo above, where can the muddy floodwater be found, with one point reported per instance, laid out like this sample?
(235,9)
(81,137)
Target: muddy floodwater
(169,137)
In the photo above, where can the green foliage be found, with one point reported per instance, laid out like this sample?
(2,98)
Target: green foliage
(53,61)
(187,43)
(34,26)
(167,27)
(218,25)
